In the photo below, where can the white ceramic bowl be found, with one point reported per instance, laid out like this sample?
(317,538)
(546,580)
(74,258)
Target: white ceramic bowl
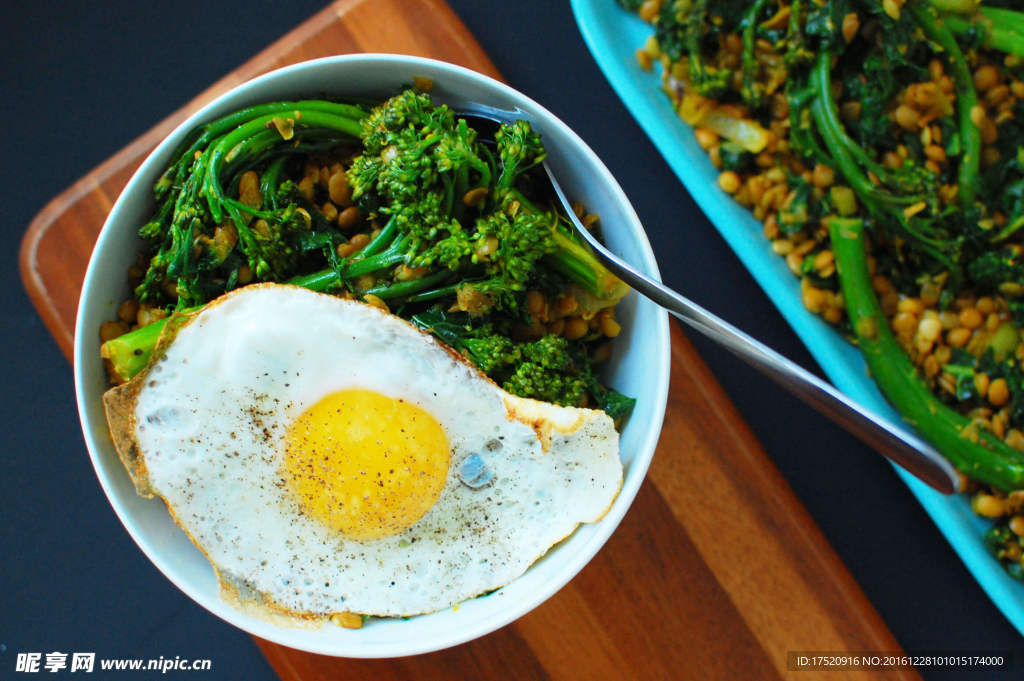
(639,367)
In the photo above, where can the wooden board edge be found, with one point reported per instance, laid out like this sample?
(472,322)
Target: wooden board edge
(31,279)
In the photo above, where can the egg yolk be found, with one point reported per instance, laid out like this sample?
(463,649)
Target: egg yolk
(365,464)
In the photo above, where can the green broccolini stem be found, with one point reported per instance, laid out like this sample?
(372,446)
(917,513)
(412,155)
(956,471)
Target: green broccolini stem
(459,186)
(974,452)
(229,146)
(155,227)
(575,261)
(222,125)
(321,281)
(405,289)
(270,180)
(796,48)
(999,31)
(829,126)
(966,97)
(1004,19)
(956,6)
(800,127)
(847,152)
(251,146)
(129,354)
(434,294)
(382,240)
(1009,230)
(218,127)
(1010,42)
(395,253)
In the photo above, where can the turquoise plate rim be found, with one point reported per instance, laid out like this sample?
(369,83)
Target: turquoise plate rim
(612,35)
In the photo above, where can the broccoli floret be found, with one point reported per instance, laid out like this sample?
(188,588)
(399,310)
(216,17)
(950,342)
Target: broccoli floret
(492,353)
(419,168)
(276,237)
(519,148)
(362,177)
(406,110)
(548,372)
(555,370)
(457,150)
(550,352)
(451,251)
(510,245)
(534,381)
(419,160)
(501,254)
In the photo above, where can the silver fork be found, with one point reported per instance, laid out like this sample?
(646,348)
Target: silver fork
(897,444)
(890,440)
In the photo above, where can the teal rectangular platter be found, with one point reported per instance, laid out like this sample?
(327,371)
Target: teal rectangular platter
(613,35)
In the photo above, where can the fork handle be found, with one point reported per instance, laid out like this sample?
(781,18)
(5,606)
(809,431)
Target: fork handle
(892,441)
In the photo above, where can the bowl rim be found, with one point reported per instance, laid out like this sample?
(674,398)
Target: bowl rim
(292,637)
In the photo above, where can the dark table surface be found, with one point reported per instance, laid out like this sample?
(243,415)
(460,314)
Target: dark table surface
(81,80)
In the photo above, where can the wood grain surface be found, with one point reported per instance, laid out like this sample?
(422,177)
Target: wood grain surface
(716,572)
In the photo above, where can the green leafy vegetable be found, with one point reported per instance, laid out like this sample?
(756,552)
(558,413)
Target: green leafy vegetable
(465,229)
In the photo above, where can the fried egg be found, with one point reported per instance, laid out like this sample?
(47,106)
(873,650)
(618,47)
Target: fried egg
(328,458)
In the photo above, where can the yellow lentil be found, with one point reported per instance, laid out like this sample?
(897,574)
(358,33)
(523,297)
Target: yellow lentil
(339,190)
(111,330)
(729,181)
(981,383)
(1015,439)
(906,117)
(930,328)
(128,311)
(575,328)
(348,218)
(988,505)
(244,275)
(998,392)
(970,318)
(851,24)
(330,211)
(986,77)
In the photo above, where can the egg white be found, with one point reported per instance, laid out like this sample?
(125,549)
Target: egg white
(206,434)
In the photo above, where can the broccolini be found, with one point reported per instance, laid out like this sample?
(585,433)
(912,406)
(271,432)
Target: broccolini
(400,205)
(882,146)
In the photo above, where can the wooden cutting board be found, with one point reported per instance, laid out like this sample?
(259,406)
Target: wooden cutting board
(716,572)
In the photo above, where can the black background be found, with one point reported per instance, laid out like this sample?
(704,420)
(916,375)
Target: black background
(81,80)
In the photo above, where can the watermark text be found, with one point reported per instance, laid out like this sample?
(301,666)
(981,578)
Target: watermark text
(55,661)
